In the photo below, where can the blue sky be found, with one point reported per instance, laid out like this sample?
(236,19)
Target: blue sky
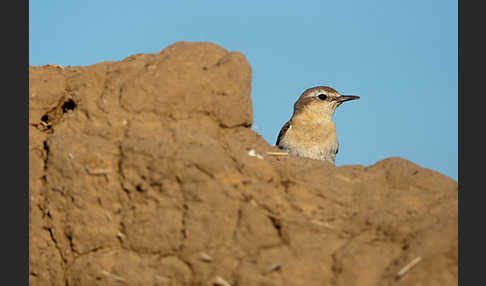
(399,56)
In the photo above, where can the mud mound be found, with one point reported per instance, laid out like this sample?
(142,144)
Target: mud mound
(142,173)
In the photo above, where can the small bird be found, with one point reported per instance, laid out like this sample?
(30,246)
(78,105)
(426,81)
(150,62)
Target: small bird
(311,132)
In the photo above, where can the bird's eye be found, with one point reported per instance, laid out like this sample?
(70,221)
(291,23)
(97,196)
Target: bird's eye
(322,96)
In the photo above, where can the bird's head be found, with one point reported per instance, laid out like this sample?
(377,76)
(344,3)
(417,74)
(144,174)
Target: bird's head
(320,102)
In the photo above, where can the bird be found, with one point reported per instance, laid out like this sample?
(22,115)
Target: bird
(311,132)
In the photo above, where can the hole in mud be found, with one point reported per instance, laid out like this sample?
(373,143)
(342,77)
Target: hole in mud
(46,147)
(45,122)
(277,225)
(45,118)
(68,105)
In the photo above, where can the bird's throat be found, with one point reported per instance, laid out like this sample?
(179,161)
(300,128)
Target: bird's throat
(311,117)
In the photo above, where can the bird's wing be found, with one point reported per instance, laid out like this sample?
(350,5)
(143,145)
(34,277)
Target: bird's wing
(282,132)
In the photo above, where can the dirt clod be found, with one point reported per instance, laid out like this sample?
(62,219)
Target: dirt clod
(146,172)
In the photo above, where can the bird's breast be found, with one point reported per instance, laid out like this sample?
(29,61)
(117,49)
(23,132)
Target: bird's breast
(316,141)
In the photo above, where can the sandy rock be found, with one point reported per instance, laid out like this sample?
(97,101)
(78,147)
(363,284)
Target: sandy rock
(145,172)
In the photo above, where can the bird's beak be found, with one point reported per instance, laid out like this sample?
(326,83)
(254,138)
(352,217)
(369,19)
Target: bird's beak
(344,98)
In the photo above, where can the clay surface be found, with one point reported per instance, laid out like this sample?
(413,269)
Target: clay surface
(141,173)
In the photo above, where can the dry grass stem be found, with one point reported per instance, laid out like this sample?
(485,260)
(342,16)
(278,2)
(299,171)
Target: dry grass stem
(409,266)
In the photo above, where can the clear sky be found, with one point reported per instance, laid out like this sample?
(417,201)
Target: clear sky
(399,56)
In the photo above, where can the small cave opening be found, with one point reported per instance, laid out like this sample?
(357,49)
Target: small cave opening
(45,121)
(45,118)
(68,105)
